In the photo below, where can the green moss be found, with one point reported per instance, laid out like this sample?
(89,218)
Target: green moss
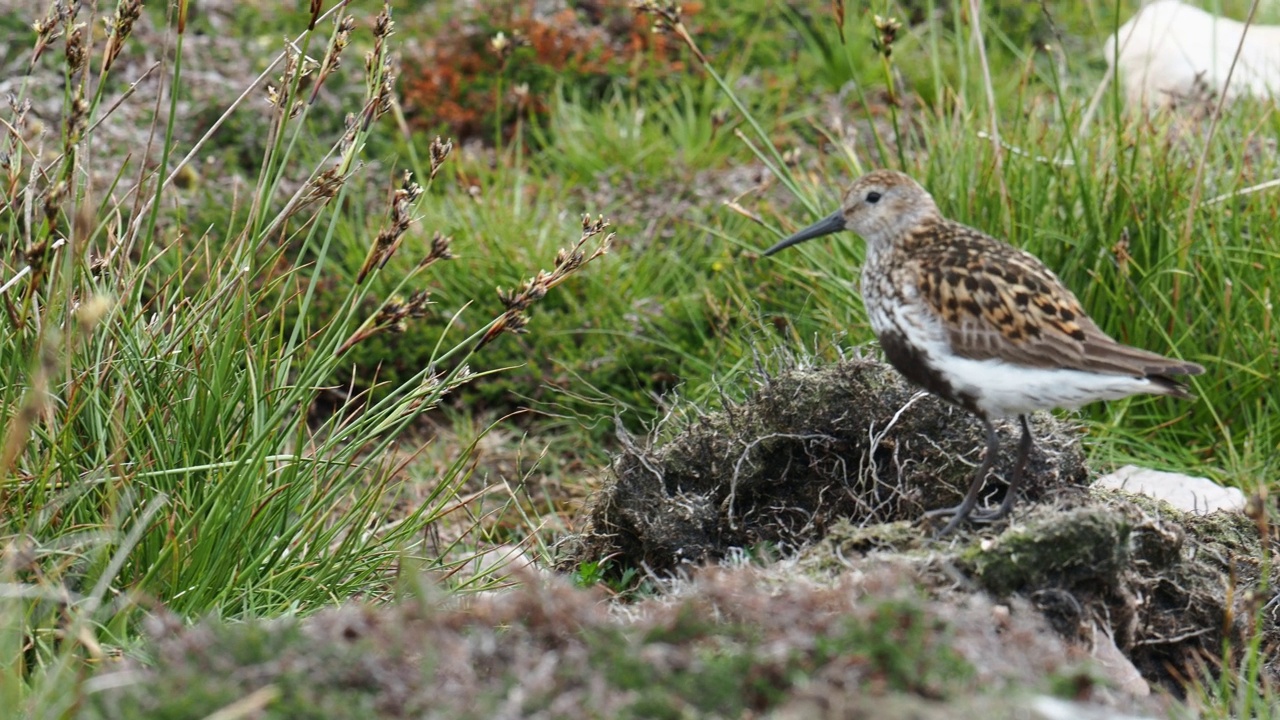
(224,663)
(722,676)
(900,536)
(725,672)
(904,646)
(689,625)
(1061,548)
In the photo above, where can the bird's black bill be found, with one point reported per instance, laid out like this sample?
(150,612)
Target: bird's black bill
(830,224)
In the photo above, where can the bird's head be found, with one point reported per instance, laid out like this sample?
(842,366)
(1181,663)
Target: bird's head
(880,206)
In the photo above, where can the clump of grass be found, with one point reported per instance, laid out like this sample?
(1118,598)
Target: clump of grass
(164,446)
(518,302)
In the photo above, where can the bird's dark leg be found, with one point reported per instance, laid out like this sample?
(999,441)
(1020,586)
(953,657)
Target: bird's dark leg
(961,512)
(1015,482)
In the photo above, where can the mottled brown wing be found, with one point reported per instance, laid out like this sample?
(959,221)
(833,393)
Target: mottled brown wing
(1001,302)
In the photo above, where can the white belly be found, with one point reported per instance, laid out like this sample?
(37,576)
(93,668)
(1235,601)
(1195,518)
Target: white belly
(1004,390)
(999,388)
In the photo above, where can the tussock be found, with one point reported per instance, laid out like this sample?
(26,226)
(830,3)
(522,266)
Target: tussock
(810,447)
(834,466)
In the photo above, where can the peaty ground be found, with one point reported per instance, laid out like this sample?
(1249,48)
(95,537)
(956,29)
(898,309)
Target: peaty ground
(774,568)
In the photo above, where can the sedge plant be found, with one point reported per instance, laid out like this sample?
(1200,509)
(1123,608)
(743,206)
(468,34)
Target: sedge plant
(173,436)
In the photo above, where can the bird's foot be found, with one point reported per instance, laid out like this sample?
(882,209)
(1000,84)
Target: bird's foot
(977,515)
(990,516)
(959,514)
(944,512)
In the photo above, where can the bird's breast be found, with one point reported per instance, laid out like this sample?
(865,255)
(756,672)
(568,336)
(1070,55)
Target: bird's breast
(894,305)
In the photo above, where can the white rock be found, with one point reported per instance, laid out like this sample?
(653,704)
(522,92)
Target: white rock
(1170,50)
(1188,493)
(1119,668)
(1044,707)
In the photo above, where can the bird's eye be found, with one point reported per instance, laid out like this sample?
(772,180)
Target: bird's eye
(873,197)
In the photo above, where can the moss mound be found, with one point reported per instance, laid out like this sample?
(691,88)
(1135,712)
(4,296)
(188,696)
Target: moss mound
(840,462)
(810,447)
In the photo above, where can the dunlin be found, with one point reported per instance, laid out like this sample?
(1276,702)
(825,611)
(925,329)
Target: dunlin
(980,323)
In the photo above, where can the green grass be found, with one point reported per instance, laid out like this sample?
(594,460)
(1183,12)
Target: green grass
(1126,180)
(176,432)
(162,447)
